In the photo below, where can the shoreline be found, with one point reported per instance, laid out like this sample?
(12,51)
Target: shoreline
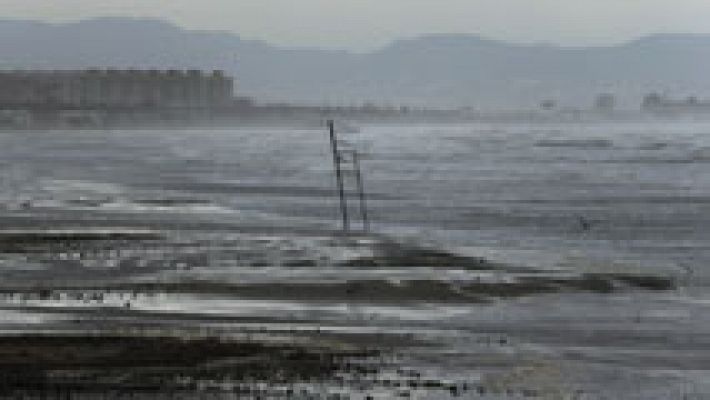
(317,121)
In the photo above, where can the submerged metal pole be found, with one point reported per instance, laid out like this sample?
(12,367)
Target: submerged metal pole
(361,191)
(339,176)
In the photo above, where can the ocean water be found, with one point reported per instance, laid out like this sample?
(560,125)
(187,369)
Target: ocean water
(241,205)
(516,192)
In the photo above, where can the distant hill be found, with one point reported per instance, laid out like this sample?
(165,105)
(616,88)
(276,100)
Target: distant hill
(433,70)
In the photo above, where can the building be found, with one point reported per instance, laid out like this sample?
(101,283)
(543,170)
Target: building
(605,102)
(657,103)
(115,90)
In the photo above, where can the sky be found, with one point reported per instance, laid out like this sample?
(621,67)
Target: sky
(362,25)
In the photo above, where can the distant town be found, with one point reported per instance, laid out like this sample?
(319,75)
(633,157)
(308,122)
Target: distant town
(96,98)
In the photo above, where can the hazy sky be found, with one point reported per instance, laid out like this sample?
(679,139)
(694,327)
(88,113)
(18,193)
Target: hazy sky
(366,24)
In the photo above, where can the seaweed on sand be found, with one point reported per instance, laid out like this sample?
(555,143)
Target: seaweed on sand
(391,254)
(99,363)
(525,281)
(383,291)
(33,241)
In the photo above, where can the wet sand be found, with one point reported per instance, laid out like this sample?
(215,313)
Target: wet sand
(174,354)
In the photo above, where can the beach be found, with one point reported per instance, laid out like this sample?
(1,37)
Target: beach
(556,260)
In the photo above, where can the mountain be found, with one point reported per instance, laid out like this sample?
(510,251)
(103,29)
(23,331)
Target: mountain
(429,70)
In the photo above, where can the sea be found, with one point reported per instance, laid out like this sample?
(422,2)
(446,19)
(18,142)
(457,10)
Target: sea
(259,206)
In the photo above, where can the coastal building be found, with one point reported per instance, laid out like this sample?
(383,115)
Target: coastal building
(113,89)
(657,103)
(605,103)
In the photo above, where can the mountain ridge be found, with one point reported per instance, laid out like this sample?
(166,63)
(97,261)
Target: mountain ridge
(437,69)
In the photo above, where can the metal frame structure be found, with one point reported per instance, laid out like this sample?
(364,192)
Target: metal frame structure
(347,162)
